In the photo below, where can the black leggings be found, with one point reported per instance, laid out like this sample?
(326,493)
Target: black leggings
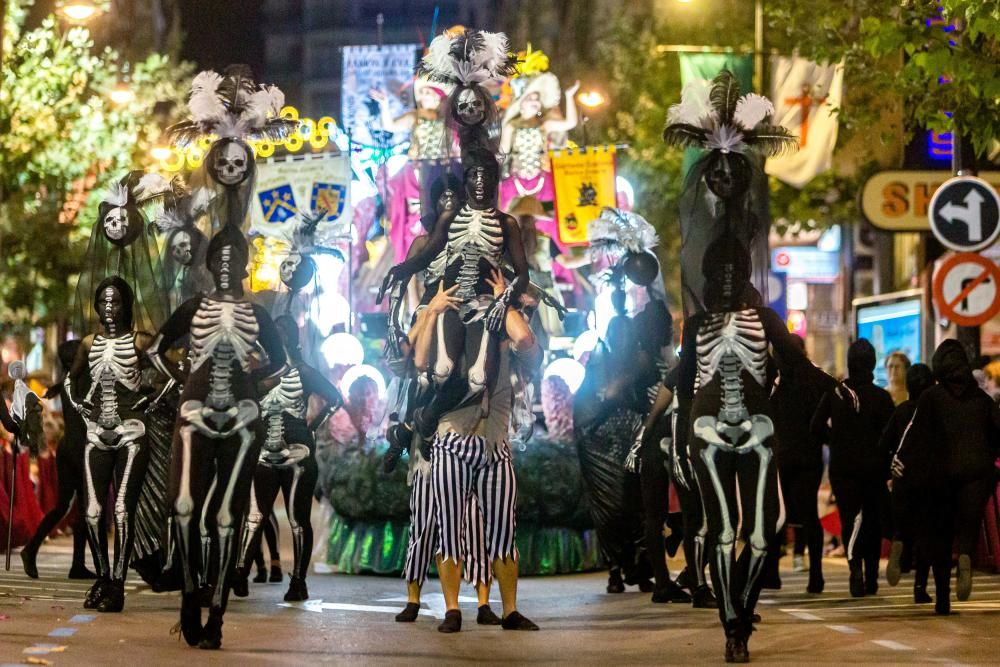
(723,476)
(655,484)
(126,466)
(861,501)
(298,495)
(69,473)
(800,488)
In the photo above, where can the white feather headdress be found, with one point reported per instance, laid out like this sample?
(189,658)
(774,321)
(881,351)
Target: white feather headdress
(471,57)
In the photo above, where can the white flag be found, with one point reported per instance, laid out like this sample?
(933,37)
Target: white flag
(805,96)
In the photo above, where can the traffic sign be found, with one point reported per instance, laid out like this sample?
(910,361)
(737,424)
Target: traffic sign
(967,289)
(965,214)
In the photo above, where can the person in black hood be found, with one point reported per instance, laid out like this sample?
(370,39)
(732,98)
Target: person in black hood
(850,419)
(948,455)
(800,458)
(919,378)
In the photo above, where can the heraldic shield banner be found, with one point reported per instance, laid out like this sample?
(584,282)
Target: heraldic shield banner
(584,184)
(284,188)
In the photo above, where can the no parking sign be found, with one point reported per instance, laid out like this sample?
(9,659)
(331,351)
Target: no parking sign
(967,289)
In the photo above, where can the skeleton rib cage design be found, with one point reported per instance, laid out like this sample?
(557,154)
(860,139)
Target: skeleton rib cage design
(288,398)
(222,332)
(111,361)
(474,235)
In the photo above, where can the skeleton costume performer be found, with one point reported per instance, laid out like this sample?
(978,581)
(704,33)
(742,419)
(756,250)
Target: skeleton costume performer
(219,430)
(723,381)
(533,125)
(234,110)
(184,273)
(478,239)
(288,459)
(298,268)
(108,373)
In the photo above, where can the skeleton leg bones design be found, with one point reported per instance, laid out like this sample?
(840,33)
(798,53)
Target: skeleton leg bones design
(723,470)
(117,454)
(204,455)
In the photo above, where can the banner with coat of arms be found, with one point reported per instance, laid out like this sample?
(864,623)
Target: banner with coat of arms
(584,184)
(311,182)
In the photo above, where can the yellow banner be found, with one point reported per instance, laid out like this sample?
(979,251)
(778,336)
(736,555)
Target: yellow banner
(584,184)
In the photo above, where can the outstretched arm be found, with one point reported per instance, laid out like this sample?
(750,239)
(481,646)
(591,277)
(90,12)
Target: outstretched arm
(404,270)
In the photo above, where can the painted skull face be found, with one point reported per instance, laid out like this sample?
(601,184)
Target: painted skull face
(231,164)
(116,224)
(728,175)
(111,306)
(288,267)
(471,108)
(180,248)
(296,271)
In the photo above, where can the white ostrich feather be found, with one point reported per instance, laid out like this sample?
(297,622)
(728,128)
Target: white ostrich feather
(256,109)
(199,201)
(695,107)
(150,185)
(117,194)
(170,219)
(751,109)
(492,52)
(204,103)
(619,229)
(438,61)
(229,127)
(277,99)
(725,138)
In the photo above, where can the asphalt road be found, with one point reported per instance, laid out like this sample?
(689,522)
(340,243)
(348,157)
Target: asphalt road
(350,620)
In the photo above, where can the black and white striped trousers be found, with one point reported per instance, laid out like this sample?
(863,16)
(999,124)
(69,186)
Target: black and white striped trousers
(463,465)
(423,541)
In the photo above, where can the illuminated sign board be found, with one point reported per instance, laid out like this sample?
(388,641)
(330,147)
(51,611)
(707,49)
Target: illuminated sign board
(897,201)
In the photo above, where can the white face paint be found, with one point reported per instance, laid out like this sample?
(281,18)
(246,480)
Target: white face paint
(231,164)
(116,223)
(289,266)
(471,109)
(180,248)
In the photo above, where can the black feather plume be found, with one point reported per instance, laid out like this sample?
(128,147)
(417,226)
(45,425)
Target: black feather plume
(683,135)
(724,96)
(771,140)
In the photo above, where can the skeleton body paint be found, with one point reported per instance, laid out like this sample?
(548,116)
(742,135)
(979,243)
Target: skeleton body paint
(108,368)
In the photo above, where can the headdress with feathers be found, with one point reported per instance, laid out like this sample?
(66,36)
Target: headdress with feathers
(714,116)
(232,105)
(306,238)
(467,61)
(617,232)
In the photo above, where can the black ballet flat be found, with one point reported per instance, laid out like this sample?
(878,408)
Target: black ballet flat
(486,616)
(409,613)
(114,601)
(297,590)
(452,622)
(28,561)
(276,574)
(517,621)
(615,583)
(736,650)
(670,593)
(96,593)
(211,636)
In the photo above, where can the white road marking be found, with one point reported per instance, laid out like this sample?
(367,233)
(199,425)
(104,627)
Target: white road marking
(844,629)
(894,645)
(803,615)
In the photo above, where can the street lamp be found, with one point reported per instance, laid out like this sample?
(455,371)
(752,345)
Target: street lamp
(79,11)
(591,100)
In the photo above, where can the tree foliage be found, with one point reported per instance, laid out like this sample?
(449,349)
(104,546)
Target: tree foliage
(62,141)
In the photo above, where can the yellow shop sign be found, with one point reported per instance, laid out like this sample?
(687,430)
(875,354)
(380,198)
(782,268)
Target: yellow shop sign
(897,201)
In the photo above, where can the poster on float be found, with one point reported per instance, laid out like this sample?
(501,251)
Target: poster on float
(386,68)
(307,182)
(584,184)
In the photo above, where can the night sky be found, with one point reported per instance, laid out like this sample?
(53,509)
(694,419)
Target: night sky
(222,32)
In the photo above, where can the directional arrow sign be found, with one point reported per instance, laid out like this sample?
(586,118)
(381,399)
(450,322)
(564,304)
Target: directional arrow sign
(965,214)
(435,602)
(967,289)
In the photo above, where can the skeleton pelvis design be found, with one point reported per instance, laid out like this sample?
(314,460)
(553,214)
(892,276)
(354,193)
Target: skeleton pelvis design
(742,436)
(290,454)
(111,438)
(216,423)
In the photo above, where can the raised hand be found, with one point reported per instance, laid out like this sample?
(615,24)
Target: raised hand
(395,276)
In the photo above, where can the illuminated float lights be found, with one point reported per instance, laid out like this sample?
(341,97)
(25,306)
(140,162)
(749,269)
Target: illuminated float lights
(315,134)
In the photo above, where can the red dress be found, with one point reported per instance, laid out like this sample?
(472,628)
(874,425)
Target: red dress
(27,513)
